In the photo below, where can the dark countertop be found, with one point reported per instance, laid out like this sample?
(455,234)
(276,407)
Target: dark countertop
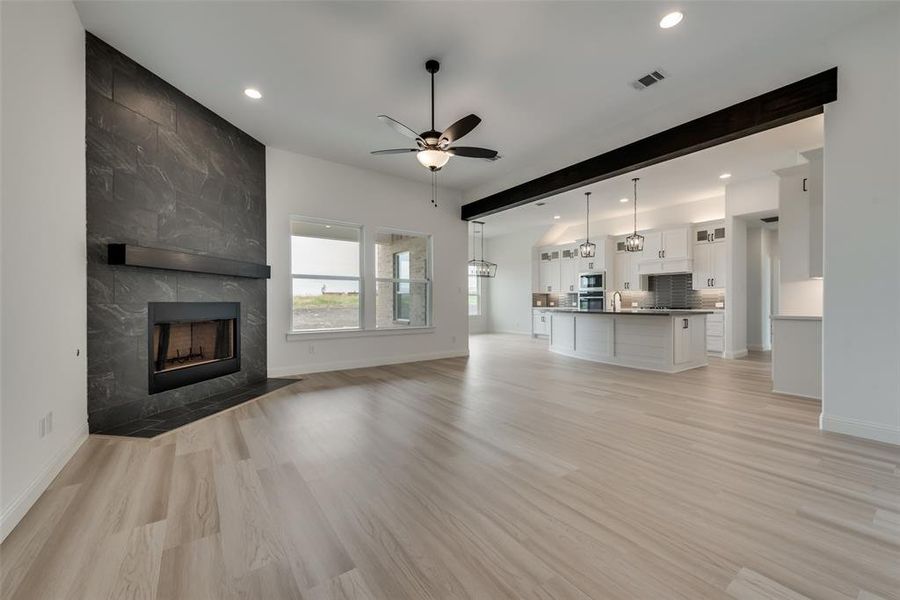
(639,311)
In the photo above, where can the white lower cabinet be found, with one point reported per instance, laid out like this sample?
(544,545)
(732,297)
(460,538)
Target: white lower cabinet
(715,332)
(685,339)
(562,332)
(540,322)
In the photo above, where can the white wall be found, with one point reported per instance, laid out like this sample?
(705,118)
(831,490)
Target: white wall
(759,292)
(743,200)
(42,310)
(861,323)
(306,186)
(509,307)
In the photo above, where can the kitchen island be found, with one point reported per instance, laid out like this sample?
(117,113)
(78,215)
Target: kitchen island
(657,340)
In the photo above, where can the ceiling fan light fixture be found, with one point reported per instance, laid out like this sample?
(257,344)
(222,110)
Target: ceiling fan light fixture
(433,159)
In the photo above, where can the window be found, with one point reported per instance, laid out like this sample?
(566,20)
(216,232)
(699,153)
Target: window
(402,280)
(474,296)
(325,268)
(401,288)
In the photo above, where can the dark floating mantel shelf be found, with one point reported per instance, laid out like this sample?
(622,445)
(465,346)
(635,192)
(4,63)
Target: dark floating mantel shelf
(173,260)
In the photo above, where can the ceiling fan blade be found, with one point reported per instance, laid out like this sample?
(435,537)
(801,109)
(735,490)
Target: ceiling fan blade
(395,151)
(459,129)
(399,127)
(473,152)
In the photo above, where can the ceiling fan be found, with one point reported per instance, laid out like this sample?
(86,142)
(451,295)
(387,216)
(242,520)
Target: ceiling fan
(433,147)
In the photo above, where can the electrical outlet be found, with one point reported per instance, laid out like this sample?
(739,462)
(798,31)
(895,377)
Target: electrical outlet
(312,348)
(634,305)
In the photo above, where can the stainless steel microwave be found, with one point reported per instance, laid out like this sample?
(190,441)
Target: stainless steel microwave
(592,282)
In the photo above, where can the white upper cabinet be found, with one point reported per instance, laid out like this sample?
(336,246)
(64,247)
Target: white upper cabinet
(813,185)
(626,270)
(710,256)
(666,251)
(676,244)
(653,245)
(568,270)
(549,271)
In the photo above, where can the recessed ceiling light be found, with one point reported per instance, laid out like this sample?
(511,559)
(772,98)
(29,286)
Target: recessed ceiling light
(328,227)
(724,175)
(252,93)
(623,199)
(556,217)
(539,203)
(671,20)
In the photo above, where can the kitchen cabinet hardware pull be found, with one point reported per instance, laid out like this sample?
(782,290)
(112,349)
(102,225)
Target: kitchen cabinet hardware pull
(804,185)
(684,323)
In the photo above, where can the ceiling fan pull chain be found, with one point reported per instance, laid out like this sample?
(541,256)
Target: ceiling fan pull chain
(434,188)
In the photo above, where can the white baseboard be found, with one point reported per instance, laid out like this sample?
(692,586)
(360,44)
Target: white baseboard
(509,331)
(799,395)
(736,354)
(864,429)
(362,363)
(20,506)
(757,348)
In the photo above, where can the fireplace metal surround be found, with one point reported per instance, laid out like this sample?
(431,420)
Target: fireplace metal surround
(160,313)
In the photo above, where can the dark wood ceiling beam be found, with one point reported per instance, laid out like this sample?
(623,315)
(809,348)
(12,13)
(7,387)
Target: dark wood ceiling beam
(792,102)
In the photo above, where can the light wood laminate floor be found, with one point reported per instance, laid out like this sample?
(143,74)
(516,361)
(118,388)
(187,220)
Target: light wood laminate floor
(514,473)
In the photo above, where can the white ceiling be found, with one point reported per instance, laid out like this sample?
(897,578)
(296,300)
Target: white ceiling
(685,179)
(542,75)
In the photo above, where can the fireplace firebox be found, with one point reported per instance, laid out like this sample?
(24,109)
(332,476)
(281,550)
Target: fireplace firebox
(189,342)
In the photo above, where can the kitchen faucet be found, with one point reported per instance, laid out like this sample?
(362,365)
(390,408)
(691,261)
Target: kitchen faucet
(617,301)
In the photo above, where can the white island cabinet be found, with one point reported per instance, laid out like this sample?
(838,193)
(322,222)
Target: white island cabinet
(668,341)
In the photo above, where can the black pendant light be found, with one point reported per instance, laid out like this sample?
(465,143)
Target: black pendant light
(481,267)
(635,241)
(588,249)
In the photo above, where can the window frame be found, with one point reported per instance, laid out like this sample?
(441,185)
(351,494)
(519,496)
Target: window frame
(360,279)
(477,295)
(428,281)
(397,293)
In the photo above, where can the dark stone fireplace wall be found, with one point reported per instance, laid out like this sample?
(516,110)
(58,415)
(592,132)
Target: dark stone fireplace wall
(164,172)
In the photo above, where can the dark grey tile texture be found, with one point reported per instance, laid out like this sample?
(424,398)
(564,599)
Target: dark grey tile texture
(673,291)
(173,418)
(165,172)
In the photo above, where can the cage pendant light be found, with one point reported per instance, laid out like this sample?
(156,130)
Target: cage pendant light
(480,267)
(635,241)
(588,249)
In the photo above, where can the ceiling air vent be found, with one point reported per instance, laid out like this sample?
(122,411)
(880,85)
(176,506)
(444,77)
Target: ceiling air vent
(648,80)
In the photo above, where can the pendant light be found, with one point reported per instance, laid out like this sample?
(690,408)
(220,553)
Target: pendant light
(587,249)
(481,267)
(634,242)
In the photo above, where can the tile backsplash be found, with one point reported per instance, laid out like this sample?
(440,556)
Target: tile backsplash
(673,291)
(556,299)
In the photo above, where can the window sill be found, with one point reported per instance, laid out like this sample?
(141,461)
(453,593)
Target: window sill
(336,334)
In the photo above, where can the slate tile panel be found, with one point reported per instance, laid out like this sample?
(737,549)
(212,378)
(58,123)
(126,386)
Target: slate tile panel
(163,171)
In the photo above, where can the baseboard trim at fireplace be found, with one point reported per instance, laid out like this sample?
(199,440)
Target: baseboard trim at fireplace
(174,418)
(20,506)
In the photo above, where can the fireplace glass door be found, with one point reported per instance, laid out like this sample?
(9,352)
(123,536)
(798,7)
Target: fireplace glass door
(183,345)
